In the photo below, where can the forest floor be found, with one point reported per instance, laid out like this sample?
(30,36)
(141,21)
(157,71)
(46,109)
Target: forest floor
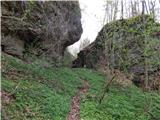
(32,92)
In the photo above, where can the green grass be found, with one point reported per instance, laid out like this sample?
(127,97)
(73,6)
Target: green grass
(45,94)
(122,103)
(40,93)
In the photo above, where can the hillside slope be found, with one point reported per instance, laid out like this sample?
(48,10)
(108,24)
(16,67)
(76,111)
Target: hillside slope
(30,91)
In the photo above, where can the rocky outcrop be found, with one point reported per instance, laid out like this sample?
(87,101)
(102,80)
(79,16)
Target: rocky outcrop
(12,45)
(126,45)
(39,28)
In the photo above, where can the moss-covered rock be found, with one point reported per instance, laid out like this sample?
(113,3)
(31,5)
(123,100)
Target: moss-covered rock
(125,45)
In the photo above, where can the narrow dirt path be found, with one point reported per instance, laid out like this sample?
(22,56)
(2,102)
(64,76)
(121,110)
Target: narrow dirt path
(74,113)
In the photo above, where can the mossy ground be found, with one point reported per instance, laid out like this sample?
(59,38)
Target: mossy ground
(39,93)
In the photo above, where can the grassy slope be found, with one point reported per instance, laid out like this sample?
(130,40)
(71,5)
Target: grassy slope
(45,94)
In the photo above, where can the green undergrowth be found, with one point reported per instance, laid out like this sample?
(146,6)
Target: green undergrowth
(121,103)
(39,93)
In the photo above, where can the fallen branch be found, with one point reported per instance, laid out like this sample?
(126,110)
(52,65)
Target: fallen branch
(11,17)
(106,89)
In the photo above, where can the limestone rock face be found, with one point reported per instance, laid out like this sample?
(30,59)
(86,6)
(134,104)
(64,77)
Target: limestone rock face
(125,45)
(40,28)
(13,45)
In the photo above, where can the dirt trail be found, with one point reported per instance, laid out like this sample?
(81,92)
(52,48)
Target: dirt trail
(74,113)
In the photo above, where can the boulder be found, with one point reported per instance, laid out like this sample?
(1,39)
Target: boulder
(45,28)
(127,45)
(13,45)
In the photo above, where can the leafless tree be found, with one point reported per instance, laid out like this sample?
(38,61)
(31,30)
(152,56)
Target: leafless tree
(122,10)
(153,8)
(143,7)
(115,9)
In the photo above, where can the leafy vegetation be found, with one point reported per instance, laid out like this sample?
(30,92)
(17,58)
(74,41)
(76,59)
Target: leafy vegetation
(122,103)
(42,93)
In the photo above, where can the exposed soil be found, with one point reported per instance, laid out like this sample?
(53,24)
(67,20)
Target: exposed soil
(74,113)
(6,97)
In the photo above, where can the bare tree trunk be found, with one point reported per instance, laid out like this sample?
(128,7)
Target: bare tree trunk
(106,89)
(153,9)
(145,44)
(138,9)
(127,9)
(131,7)
(143,10)
(122,9)
(115,9)
(146,7)
(146,70)
(111,8)
(104,19)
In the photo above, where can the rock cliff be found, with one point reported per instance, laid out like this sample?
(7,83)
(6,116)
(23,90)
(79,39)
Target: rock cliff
(41,29)
(127,45)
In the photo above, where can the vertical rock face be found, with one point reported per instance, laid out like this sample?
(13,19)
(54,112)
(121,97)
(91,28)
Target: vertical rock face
(40,28)
(126,45)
